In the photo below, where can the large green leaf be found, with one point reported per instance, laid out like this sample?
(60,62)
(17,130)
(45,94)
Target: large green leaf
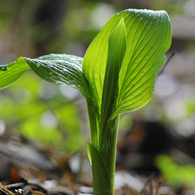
(148,39)
(54,68)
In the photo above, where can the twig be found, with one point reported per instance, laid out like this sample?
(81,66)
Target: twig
(24,183)
(158,186)
(56,190)
(167,61)
(15,185)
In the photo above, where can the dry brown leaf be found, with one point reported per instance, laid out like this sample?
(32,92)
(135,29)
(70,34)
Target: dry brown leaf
(36,192)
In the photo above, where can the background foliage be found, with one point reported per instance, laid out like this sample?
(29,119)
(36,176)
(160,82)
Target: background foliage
(56,115)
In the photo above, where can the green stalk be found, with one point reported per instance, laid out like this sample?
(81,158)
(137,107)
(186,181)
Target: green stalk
(102,150)
(111,160)
(108,150)
(101,180)
(103,162)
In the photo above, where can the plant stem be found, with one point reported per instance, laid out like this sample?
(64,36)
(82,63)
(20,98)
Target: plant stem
(108,149)
(112,152)
(102,152)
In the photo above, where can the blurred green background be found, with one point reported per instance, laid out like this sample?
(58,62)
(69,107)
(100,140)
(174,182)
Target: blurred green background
(56,116)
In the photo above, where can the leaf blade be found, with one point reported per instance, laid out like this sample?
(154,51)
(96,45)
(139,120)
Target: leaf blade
(148,39)
(54,68)
(9,73)
(138,78)
(94,63)
(116,51)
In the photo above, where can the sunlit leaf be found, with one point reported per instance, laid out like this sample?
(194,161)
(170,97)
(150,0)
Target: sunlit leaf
(116,51)
(11,72)
(54,68)
(148,39)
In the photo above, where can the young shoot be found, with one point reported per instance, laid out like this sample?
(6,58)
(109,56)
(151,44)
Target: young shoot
(116,75)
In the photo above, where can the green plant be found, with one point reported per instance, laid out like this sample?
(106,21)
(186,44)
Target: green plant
(116,75)
(175,174)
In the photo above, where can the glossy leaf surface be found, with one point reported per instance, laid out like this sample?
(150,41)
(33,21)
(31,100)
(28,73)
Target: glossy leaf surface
(54,68)
(148,39)
(11,72)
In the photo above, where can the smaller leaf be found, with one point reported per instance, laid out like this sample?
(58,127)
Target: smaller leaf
(101,186)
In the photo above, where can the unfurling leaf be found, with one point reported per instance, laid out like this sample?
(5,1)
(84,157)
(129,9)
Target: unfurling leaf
(148,39)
